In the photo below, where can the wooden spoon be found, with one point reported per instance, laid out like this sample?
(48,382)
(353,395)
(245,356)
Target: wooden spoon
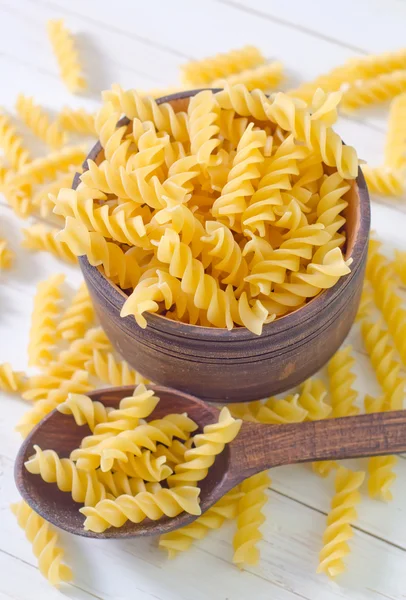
(256,448)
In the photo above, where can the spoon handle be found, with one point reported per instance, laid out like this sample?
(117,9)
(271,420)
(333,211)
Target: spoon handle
(266,446)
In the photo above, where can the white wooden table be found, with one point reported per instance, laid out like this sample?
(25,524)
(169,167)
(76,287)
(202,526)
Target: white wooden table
(142,44)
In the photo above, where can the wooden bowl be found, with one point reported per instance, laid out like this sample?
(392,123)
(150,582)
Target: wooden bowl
(238,366)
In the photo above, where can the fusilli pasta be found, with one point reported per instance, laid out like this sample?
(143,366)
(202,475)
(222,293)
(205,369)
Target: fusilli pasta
(78,317)
(77,121)
(395,147)
(385,181)
(10,380)
(12,144)
(41,238)
(66,54)
(6,256)
(38,121)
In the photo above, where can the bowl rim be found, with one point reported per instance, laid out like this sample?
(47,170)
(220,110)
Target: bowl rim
(116,297)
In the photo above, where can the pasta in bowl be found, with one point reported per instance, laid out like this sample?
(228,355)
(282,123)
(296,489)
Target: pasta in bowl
(222,235)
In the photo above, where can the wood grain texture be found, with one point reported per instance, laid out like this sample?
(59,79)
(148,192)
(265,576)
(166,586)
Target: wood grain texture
(237,366)
(256,448)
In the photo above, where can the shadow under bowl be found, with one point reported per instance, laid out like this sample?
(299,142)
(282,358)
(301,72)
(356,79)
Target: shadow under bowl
(238,366)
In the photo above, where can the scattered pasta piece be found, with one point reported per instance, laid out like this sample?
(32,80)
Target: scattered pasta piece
(43,539)
(41,200)
(76,121)
(78,317)
(11,381)
(38,121)
(374,91)
(12,144)
(250,518)
(385,181)
(341,378)
(395,147)
(41,238)
(66,54)
(339,521)
(221,65)
(6,256)
(108,369)
(400,265)
(45,315)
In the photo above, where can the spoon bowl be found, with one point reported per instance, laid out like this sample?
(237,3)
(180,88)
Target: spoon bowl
(256,448)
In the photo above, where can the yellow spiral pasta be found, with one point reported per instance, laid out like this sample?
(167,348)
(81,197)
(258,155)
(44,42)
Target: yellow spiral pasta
(114,224)
(78,384)
(279,411)
(399,264)
(151,505)
(381,477)
(6,256)
(111,421)
(249,519)
(382,355)
(10,380)
(374,91)
(319,137)
(108,369)
(38,121)
(395,147)
(385,181)
(118,483)
(244,172)
(134,106)
(332,204)
(297,247)
(341,378)
(329,82)
(175,453)
(41,238)
(312,398)
(182,539)
(66,54)
(386,297)
(12,144)
(225,252)
(339,520)
(79,353)
(207,446)
(278,170)
(76,121)
(46,312)
(221,65)
(245,103)
(44,541)
(203,114)
(85,487)
(78,317)
(41,200)
(118,265)
(366,302)
(263,77)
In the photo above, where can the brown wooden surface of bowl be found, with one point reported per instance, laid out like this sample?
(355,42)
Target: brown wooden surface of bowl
(236,366)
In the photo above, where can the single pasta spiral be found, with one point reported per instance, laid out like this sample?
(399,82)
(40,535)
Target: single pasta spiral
(339,521)
(77,384)
(245,103)
(278,169)
(39,238)
(382,356)
(386,298)
(77,121)
(43,332)
(12,144)
(85,487)
(244,172)
(381,477)
(134,106)
(118,265)
(341,378)
(43,539)
(66,54)
(278,411)
(374,91)
(312,398)
(207,446)
(108,369)
(226,253)
(11,381)
(264,77)
(385,181)
(147,467)
(203,116)
(395,147)
(221,65)
(36,119)
(175,453)
(182,539)
(84,410)
(6,256)
(41,200)
(319,137)
(114,224)
(151,505)
(250,518)
(78,317)
(331,204)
